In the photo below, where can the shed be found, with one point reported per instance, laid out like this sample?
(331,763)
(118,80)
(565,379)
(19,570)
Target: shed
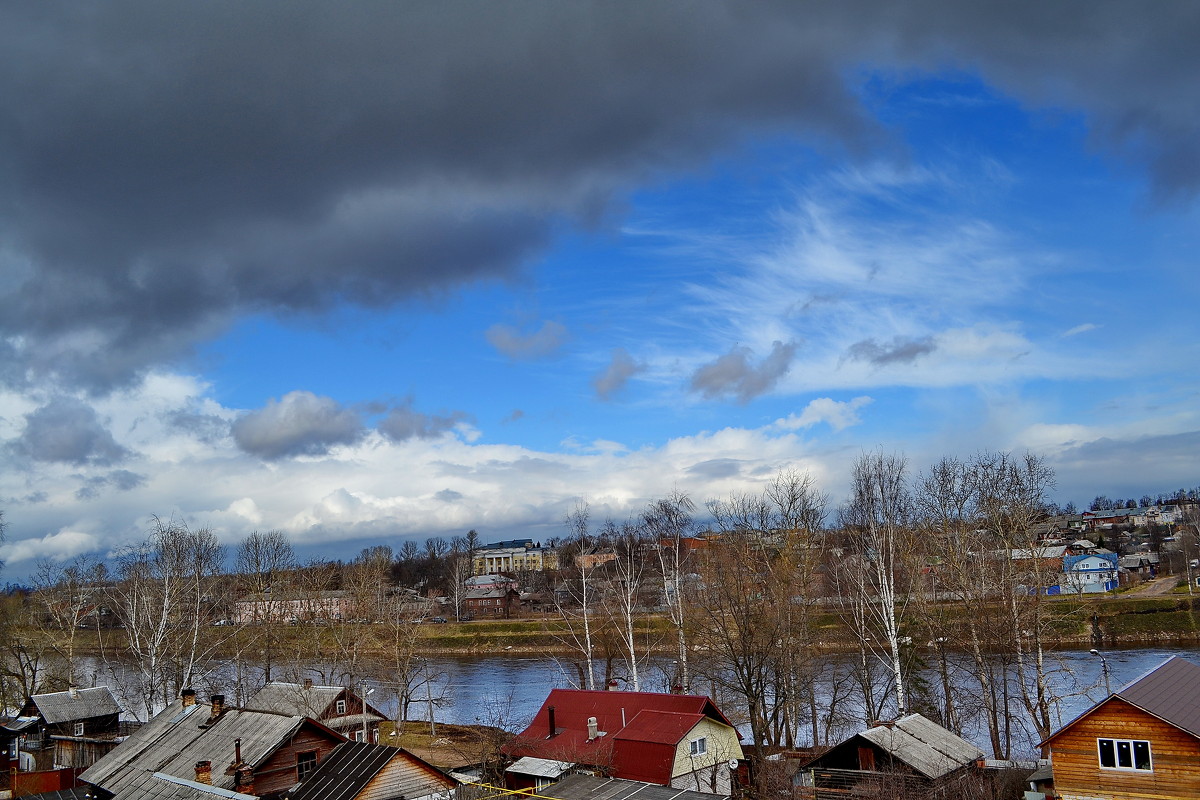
(362,771)
(911,749)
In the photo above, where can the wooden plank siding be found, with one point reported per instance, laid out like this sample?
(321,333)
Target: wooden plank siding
(1174,755)
(402,777)
(279,771)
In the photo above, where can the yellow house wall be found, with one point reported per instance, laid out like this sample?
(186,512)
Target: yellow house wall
(722,745)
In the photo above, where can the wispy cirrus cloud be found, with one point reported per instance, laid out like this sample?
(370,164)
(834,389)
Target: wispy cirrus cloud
(1078,329)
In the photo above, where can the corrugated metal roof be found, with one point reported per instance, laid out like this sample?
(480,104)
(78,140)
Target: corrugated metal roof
(352,765)
(655,722)
(1170,692)
(590,787)
(57,707)
(925,746)
(662,727)
(539,767)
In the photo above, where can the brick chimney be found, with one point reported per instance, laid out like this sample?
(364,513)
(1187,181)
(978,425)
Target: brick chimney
(553,730)
(243,780)
(73,690)
(188,696)
(308,683)
(204,772)
(218,708)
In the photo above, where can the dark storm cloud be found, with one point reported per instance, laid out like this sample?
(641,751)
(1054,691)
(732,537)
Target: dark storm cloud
(120,479)
(403,423)
(168,167)
(301,423)
(614,377)
(735,373)
(1146,464)
(68,431)
(899,351)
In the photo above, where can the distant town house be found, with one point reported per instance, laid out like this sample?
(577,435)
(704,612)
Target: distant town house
(496,602)
(262,607)
(518,555)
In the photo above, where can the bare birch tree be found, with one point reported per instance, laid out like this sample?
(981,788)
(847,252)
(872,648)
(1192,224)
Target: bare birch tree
(668,522)
(879,515)
(163,597)
(576,592)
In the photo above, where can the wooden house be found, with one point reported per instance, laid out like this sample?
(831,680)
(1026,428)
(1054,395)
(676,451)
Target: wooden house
(1142,741)
(336,707)
(361,771)
(75,712)
(494,602)
(911,752)
(248,752)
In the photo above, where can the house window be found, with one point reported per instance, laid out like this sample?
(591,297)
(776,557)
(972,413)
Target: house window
(698,747)
(341,707)
(1125,754)
(359,736)
(306,762)
(79,729)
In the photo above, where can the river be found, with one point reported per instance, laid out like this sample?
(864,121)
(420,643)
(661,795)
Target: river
(508,690)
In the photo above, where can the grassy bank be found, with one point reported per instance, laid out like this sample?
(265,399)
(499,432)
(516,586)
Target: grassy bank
(1111,621)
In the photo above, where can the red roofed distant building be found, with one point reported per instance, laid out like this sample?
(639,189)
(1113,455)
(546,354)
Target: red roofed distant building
(677,740)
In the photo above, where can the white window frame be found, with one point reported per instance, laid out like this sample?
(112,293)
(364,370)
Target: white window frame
(340,708)
(698,747)
(79,729)
(1116,756)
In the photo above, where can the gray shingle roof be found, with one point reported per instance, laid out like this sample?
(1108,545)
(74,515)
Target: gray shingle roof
(1171,692)
(925,746)
(57,707)
(160,786)
(589,787)
(173,741)
(293,699)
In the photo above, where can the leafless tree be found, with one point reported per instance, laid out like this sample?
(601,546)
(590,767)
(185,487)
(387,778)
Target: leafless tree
(622,601)
(879,516)
(668,522)
(163,596)
(576,596)
(265,565)
(67,597)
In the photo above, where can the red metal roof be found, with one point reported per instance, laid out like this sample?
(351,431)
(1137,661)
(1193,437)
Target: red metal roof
(640,730)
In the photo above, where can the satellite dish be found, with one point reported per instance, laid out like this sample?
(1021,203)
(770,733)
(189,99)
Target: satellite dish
(733,763)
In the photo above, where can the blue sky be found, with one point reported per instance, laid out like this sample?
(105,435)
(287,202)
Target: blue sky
(362,293)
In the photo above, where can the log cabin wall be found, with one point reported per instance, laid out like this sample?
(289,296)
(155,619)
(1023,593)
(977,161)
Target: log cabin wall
(1174,755)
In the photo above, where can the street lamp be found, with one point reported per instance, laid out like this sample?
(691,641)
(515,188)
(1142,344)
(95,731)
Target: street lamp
(365,693)
(1104,669)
